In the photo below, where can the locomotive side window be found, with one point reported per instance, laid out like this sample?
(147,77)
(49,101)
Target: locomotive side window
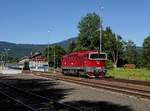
(96,56)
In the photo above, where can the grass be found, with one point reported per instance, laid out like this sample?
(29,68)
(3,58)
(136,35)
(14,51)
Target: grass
(132,74)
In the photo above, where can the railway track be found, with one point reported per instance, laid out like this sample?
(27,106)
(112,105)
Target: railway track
(136,82)
(137,90)
(31,101)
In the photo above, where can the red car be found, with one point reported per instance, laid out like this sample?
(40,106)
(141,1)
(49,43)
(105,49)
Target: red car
(92,63)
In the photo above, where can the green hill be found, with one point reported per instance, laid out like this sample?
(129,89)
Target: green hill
(21,50)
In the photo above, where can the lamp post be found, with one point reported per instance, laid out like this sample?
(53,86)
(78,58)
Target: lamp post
(48,54)
(6,54)
(1,64)
(3,60)
(100,46)
(54,59)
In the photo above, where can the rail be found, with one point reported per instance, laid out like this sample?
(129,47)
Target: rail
(130,89)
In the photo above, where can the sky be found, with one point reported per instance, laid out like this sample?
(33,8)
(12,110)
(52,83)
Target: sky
(50,21)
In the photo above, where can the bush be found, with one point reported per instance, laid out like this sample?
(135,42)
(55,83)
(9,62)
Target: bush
(147,66)
(109,64)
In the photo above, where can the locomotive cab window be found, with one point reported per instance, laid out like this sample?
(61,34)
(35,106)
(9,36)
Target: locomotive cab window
(97,56)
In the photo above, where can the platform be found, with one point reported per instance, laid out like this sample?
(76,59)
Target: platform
(6,70)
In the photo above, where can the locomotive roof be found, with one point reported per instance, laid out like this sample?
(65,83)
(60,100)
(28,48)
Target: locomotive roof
(80,53)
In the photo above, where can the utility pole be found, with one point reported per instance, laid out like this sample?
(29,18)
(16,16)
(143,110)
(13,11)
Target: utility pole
(100,46)
(6,55)
(1,64)
(54,59)
(2,59)
(48,56)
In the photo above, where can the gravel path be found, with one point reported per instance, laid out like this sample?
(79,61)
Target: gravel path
(83,93)
(93,99)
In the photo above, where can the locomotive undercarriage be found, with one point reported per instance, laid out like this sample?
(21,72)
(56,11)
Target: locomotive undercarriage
(91,72)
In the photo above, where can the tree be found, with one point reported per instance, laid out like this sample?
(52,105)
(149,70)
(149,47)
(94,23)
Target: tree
(12,60)
(130,52)
(47,55)
(146,51)
(71,47)
(113,45)
(88,28)
(59,51)
(88,38)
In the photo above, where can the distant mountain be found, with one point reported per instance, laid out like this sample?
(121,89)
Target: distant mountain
(65,43)
(21,50)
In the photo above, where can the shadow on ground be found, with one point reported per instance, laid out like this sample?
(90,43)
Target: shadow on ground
(98,106)
(42,87)
(47,88)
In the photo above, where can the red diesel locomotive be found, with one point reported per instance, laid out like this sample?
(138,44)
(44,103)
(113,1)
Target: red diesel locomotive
(92,63)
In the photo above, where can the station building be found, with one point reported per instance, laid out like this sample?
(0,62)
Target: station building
(37,62)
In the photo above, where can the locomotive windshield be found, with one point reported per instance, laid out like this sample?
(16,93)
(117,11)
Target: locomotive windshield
(97,56)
